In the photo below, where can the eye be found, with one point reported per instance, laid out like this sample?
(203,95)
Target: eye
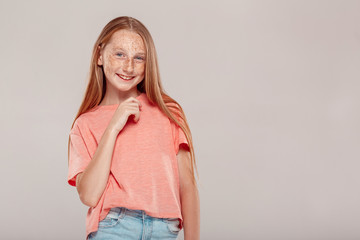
(140,58)
(119,54)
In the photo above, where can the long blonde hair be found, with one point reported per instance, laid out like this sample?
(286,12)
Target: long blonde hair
(151,85)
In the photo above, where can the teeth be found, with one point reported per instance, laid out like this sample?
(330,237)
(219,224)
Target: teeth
(124,77)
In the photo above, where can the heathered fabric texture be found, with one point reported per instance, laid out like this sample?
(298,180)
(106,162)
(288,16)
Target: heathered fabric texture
(144,171)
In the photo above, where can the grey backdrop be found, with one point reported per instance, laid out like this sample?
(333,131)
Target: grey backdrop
(270,90)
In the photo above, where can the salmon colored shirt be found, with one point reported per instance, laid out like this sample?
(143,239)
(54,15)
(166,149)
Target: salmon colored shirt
(144,171)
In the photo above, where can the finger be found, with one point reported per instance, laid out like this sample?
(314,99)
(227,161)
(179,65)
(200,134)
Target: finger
(136,117)
(137,104)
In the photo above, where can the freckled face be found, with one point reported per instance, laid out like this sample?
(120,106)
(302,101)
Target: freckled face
(123,60)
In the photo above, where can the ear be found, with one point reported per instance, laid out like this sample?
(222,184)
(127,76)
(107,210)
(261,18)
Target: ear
(100,59)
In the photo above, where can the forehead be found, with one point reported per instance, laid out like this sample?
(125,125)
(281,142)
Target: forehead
(126,39)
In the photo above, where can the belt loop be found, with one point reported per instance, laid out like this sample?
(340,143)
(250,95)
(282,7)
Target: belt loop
(143,218)
(122,211)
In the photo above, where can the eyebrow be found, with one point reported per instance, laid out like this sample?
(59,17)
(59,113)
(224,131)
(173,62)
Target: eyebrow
(119,48)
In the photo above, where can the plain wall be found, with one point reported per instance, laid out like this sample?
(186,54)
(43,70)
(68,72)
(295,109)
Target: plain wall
(270,90)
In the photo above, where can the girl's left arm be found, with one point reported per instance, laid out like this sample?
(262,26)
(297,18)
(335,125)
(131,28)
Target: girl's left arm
(190,204)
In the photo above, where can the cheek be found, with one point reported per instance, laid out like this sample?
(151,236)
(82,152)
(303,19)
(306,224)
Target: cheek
(140,68)
(109,63)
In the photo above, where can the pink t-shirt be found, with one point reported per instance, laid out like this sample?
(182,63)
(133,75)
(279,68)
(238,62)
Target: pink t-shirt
(144,171)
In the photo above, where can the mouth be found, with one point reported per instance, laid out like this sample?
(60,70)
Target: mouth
(124,77)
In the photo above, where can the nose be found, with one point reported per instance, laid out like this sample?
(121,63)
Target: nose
(128,66)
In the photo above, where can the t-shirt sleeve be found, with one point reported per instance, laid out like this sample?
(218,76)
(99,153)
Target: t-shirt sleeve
(180,140)
(79,156)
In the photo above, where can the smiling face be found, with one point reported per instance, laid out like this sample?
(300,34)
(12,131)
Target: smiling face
(123,61)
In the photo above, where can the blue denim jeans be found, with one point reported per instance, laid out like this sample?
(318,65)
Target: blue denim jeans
(123,223)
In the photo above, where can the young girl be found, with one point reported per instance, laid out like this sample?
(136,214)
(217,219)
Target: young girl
(130,148)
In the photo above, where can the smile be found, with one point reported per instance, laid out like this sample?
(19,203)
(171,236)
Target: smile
(124,77)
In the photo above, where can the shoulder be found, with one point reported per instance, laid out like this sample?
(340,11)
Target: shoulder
(91,116)
(80,124)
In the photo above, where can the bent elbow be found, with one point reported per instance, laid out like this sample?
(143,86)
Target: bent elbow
(86,196)
(90,202)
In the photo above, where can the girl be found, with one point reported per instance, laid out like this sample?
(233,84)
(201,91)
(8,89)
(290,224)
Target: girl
(130,151)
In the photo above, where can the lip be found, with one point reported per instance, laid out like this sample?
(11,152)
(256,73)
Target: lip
(119,75)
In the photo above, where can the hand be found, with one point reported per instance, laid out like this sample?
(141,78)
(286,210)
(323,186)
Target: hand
(130,106)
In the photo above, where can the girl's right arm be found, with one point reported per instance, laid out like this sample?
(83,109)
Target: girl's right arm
(92,181)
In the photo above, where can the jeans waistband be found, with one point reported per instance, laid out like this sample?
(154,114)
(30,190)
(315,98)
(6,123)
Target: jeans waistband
(127,211)
(117,211)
